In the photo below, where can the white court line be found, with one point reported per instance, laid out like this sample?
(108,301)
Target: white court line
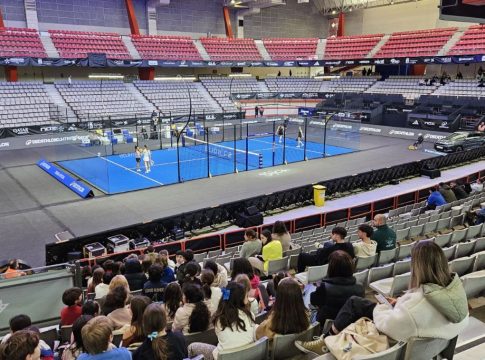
(123,167)
(281,146)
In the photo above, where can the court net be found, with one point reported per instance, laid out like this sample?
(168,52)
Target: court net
(249,159)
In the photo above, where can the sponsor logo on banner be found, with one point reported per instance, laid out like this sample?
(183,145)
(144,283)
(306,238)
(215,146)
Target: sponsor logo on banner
(395,61)
(415,122)
(483,58)
(298,121)
(429,123)
(446,60)
(120,122)
(226,63)
(370,129)
(466,59)
(169,63)
(256,63)
(250,122)
(243,96)
(428,60)
(411,61)
(196,63)
(14,60)
(210,117)
(363,62)
(136,62)
(379,61)
(316,63)
(319,123)
(342,126)
(401,133)
(434,137)
(349,62)
(242,63)
(57,140)
(229,116)
(4,144)
(289,63)
(444,125)
(304,63)
(309,95)
(333,62)
(152,62)
(21,131)
(143,121)
(183,63)
(211,63)
(49,128)
(272,63)
(119,62)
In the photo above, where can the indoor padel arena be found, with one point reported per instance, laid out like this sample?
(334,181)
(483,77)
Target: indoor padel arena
(242,179)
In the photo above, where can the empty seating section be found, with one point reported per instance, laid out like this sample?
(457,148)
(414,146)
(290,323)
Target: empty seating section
(21,42)
(461,88)
(348,84)
(351,47)
(100,99)
(407,86)
(471,42)
(220,49)
(166,47)
(77,44)
(293,84)
(23,104)
(219,87)
(415,43)
(291,49)
(172,97)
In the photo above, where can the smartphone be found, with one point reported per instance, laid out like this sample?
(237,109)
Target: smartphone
(382,300)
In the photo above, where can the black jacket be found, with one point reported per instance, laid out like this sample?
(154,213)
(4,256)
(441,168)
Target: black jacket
(324,253)
(332,294)
(134,275)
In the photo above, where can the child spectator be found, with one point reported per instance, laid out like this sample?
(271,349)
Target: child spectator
(194,315)
(154,287)
(23,345)
(134,334)
(96,337)
(90,307)
(76,347)
(72,298)
(172,299)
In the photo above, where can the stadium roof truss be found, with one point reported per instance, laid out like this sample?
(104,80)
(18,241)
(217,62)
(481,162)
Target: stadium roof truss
(332,7)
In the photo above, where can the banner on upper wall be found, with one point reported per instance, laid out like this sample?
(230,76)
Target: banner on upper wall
(87,62)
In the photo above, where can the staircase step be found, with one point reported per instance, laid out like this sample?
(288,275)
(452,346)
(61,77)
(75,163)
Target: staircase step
(322,43)
(131,48)
(49,47)
(203,53)
(262,50)
(139,96)
(378,46)
(451,42)
(66,114)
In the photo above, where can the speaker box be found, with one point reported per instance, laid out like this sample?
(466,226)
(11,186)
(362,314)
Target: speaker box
(246,221)
(252,210)
(431,173)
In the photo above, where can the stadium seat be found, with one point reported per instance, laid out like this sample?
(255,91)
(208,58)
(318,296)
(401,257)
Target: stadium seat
(381,272)
(361,277)
(392,287)
(462,265)
(362,263)
(395,352)
(206,337)
(350,47)
(425,348)
(313,274)
(163,47)
(254,351)
(474,283)
(21,42)
(275,266)
(228,49)
(283,346)
(387,256)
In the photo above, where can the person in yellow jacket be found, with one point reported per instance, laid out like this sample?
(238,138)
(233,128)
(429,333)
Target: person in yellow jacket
(272,250)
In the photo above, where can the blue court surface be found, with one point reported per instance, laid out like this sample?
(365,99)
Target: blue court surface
(117,173)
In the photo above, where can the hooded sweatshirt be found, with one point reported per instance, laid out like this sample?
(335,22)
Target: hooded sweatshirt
(428,311)
(363,249)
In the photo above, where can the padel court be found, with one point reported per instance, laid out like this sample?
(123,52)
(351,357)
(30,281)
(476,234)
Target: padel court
(197,159)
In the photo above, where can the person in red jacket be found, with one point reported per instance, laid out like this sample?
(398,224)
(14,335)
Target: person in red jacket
(72,298)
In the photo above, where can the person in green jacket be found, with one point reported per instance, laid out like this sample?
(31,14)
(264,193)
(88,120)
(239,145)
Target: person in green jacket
(384,235)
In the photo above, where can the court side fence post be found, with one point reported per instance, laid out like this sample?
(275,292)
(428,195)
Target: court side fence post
(111,129)
(171,129)
(224,130)
(247,146)
(235,146)
(285,129)
(159,129)
(304,139)
(274,142)
(208,153)
(325,121)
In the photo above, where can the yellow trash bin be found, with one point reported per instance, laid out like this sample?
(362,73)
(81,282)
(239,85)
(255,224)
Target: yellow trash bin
(319,195)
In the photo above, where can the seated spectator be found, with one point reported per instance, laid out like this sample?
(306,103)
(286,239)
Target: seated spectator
(23,345)
(115,308)
(96,280)
(172,299)
(435,306)
(282,235)
(321,257)
(102,289)
(134,334)
(17,323)
(272,250)
(191,272)
(220,273)
(447,193)
(243,266)
(365,247)
(170,262)
(108,266)
(233,322)
(211,292)
(150,254)
(86,274)
(134,275)
(73,299)
(272,285)
(250,301)
(338,286)
(384,236)
(459,191)
(475,187)
(145,262)
(251,246)
(182,258)
(116,268)
(119,280)
(288,314)
(194,315)
(159,343)
(97,336)
(154,287)
(76,347)
(13,270)
(434,199)
(91,308)
(167,272)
